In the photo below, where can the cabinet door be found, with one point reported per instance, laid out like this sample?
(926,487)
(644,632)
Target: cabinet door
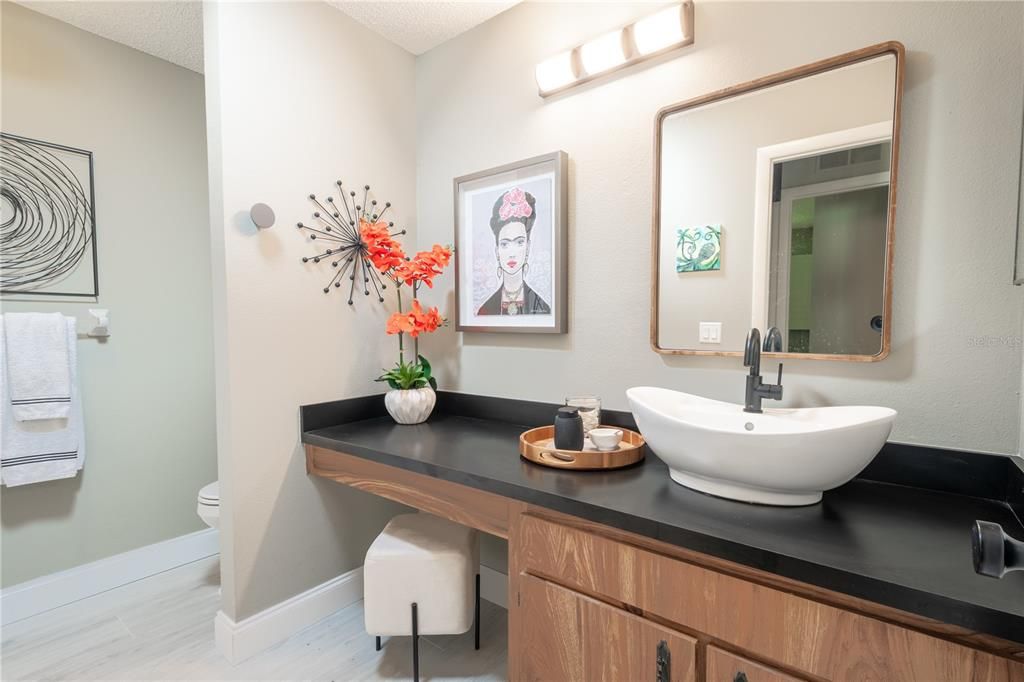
(568,636)
(990,668)
(823,641)
(725,667)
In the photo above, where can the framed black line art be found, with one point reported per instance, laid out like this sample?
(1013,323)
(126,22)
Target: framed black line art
(47,220)
(511,247)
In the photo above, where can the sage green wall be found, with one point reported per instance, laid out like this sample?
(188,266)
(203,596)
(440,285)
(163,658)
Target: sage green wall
(148,390)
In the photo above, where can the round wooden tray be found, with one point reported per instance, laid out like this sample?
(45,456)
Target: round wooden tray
(537,445)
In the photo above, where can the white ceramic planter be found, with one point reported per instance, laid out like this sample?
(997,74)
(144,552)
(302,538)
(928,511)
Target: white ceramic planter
(412,406)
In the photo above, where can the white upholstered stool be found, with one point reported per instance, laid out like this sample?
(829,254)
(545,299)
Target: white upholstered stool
(421,577)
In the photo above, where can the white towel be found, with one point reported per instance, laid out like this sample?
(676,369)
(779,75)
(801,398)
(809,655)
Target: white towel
(41,450)
(38,365)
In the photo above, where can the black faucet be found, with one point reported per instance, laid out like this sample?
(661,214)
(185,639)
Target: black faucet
(757,390)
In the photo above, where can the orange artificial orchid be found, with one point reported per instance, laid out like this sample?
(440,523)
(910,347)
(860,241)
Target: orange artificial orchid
(424,266)
(415,322)
(383,251)
(371,257)
(439,255)
(387,256)
(427,321)
(400,323)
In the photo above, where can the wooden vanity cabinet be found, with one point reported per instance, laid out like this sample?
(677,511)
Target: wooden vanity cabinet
(586,606)
(721,666)
(592,603)
(573,637)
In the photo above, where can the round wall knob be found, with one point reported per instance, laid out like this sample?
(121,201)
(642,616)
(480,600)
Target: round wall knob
(262,215)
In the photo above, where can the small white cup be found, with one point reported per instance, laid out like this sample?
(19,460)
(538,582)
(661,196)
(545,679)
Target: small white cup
(605,439)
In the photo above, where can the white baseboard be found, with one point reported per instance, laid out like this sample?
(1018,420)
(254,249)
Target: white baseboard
(246,638)
(257,633)
(494,586)
(58,589)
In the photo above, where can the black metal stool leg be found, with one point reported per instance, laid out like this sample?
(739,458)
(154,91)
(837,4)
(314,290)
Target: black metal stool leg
(378,643)
(476,614)
(415,645)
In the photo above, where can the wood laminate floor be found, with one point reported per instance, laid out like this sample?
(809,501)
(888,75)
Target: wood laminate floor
(161,628)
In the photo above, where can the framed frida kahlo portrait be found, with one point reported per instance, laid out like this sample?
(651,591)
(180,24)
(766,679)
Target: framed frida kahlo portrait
(511,257)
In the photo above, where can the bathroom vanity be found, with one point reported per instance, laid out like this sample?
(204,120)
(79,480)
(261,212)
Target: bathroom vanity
(625,575)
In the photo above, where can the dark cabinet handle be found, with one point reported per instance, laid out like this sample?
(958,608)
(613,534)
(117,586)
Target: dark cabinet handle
(664,662)
(740,676)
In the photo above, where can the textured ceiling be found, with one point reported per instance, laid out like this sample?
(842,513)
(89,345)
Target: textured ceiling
(168,30)
(174,30)
(419,26)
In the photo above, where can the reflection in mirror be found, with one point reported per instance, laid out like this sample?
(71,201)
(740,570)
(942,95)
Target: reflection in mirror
(828,236)
(774,206)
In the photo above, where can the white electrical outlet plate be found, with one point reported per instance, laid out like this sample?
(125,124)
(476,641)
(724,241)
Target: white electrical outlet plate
(711,332)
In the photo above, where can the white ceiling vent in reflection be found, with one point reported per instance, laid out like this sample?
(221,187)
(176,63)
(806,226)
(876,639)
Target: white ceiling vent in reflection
(661,32)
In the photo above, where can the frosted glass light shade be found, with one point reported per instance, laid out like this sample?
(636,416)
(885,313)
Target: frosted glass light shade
(665,30)
(601,54)
(658,31)
(555,72)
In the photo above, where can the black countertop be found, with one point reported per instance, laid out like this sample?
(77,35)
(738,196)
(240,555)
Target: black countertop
(904,547)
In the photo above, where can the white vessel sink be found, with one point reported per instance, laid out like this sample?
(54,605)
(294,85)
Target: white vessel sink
(781,456)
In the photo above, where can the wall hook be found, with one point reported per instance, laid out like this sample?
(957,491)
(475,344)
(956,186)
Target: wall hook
(100,322)
(262,215)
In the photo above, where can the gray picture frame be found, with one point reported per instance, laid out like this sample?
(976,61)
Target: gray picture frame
(559,161)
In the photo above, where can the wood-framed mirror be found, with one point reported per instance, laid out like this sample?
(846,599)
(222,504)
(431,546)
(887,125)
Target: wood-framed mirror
(774,206)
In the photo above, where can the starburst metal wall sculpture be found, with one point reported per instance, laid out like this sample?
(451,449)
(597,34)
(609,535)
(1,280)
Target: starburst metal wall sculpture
(344,247)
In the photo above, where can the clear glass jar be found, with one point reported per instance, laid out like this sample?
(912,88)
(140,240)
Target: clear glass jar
(590,410)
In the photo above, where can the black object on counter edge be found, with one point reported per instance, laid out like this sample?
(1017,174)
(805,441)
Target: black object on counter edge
(995,552)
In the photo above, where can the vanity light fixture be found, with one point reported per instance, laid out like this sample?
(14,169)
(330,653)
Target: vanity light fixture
(661,32)
(604,53)
(556,72)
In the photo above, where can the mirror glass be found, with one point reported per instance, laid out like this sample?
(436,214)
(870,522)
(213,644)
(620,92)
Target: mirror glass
(774,210)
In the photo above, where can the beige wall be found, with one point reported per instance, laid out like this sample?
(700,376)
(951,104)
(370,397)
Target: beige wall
(299,96)
(477,107)
(148,390)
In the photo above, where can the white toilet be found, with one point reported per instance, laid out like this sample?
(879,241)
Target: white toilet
(209,504)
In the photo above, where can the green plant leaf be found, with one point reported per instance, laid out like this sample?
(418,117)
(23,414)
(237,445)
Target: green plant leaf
(405,376)
(433,383)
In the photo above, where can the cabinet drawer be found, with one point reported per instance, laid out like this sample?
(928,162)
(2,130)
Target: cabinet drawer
(725,667)
(570,637)
(796,632)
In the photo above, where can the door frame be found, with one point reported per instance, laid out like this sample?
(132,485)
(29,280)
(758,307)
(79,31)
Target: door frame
(767,157)
(781,239)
